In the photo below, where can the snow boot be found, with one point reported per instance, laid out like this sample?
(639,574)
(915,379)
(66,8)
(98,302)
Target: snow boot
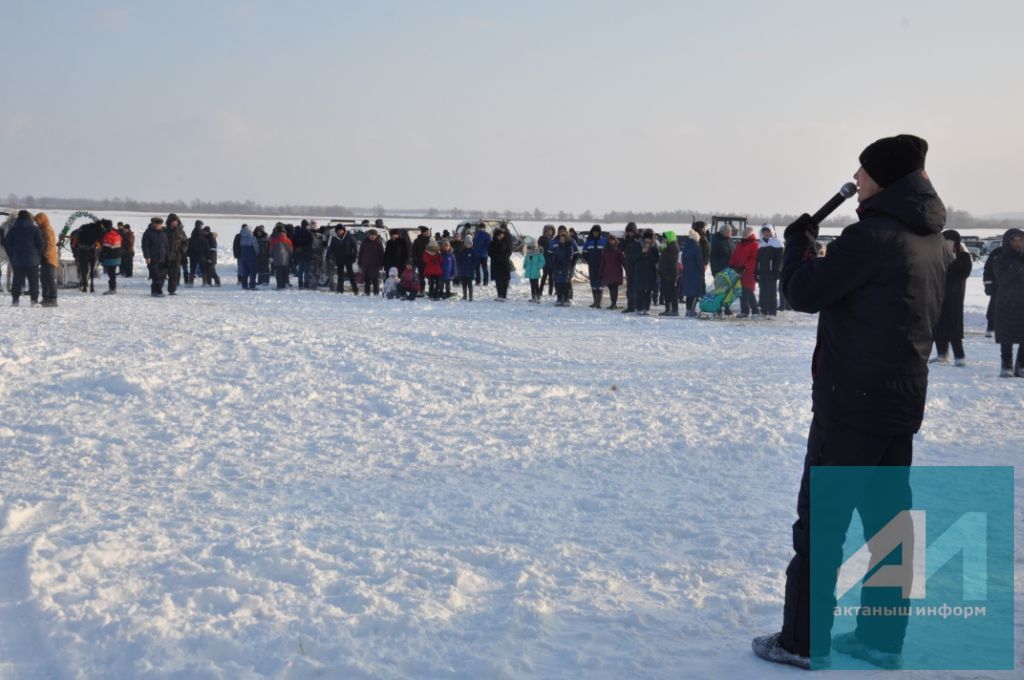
(960,362)
(849,644)
(769,648)
(1004,372)
(939,359)
(598,296)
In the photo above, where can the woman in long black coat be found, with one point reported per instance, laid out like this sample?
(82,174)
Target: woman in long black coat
(1009,277)
(500,251)
(950,328)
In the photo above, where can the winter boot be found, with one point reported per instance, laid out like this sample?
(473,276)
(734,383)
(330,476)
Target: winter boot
(960,362)
(598,296)
(1019,372)
(849,644)
(939,359)
(1005,372)
(769,648)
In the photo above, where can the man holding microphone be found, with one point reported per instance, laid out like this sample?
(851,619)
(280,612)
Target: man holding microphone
(878,294)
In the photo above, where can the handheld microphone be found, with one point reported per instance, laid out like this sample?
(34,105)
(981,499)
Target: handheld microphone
(845,191)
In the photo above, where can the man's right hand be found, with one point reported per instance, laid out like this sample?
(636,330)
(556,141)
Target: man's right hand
(802,232)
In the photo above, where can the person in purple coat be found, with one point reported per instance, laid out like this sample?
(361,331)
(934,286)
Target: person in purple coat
(612,262)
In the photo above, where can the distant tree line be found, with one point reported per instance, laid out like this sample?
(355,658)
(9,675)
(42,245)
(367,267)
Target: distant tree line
(160,207)
(956,219)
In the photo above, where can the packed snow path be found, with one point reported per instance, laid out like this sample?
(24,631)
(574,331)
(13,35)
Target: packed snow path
(231,484)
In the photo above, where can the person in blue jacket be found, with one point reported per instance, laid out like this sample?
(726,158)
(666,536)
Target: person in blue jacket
(593,251)
(24,246)
(465,266)
(448,268)
(692,281)
(561,267)
(481,244)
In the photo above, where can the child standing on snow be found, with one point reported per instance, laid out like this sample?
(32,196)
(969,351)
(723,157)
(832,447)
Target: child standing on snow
(391,290)
(465,264)
(533,268)
(432,269)
(448,268)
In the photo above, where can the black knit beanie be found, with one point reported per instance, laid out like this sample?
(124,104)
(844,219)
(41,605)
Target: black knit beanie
(892,158)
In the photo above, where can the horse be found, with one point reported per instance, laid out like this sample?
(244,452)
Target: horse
(85,242)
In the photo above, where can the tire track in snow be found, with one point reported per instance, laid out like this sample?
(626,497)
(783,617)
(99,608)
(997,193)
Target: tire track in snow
(24,648)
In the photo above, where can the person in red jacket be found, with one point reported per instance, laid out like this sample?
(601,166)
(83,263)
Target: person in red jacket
(280,248)
(744,262)
(410,282)
(432,270)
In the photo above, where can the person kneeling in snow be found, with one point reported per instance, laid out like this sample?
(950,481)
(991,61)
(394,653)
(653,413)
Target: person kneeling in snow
(409,285)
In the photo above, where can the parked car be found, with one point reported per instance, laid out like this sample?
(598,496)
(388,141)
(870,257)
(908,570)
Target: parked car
(519,242)
(973,245)
(990,244)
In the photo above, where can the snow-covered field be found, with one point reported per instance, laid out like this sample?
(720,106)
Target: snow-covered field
(231,484)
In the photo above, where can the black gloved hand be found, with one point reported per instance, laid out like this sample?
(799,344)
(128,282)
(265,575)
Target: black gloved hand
(801,233)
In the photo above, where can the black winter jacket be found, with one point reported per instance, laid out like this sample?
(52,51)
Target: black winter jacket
(879,291)
(155,245)
(500,251)
(1008,269)
(24,243)
(342,250)
(951,318)
(632,249)
(198,246)
(721,252)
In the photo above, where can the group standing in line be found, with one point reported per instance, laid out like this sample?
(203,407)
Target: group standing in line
(666,271)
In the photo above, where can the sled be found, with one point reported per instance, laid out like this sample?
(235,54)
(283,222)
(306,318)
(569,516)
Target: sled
(726,289)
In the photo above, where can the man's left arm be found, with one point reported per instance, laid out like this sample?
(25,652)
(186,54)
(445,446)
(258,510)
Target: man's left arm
(813,283)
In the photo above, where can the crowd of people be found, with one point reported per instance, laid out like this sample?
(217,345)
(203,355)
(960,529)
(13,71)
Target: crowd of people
(651,269)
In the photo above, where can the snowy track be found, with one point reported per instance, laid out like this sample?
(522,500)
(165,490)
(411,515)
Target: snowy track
(297,484)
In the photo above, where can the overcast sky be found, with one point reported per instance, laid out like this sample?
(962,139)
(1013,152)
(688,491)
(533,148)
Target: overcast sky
(746,106)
